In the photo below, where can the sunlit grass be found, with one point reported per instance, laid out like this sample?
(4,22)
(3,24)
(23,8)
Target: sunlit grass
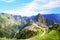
(53,35)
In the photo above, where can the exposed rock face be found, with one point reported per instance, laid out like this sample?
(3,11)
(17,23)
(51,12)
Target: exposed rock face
(22,28)
(9,24)
(42,20)
(31,28)
(27,32)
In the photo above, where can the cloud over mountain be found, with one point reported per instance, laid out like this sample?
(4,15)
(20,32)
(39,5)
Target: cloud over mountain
(36,6)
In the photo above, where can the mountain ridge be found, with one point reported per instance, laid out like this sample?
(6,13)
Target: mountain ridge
(18,26)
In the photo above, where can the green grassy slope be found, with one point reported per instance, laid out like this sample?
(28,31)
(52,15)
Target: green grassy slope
(8,25)
(53,34)
(31,31)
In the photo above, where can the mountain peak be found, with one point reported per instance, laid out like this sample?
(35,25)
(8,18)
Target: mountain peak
(38,14)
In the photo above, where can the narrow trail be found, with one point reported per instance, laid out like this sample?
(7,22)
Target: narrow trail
(16,34)
(43,33)
(44,29)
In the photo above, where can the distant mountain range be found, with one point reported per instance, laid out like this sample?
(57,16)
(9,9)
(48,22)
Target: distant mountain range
(54,17)
(9,22)
(34,24)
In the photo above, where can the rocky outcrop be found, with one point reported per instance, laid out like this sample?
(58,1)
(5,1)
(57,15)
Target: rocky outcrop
(32,27)
(42,20)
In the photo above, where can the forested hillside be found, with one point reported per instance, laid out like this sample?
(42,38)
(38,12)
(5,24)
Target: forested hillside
(14,27)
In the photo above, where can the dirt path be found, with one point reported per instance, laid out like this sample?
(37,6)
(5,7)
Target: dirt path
(16,34)
(43,32)
(44,29)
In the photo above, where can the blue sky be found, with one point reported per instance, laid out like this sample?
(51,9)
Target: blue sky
(30,7)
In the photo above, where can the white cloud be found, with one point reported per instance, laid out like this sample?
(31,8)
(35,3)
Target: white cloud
(8,1)
(11,12)
(19,12)
(42,6)
(35,5)
(51,5)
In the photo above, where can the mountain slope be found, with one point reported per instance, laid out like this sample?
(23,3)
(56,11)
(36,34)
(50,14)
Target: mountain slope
(33,26)
(9,25)
(39,27)
(30,30)
(55,17)
(53,34)
(44,20)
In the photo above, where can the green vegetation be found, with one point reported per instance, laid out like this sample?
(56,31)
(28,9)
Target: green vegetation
(7,39)
(9,25)
(53,34)
(33,30)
